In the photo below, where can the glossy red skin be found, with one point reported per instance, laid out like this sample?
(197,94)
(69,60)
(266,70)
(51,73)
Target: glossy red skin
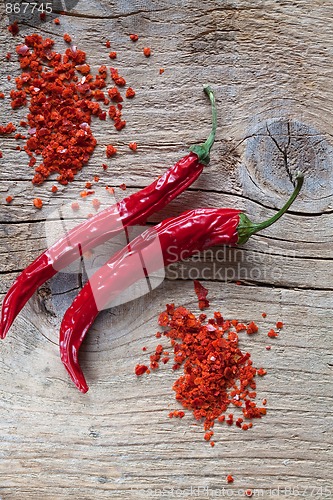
(135,209)
(192,231)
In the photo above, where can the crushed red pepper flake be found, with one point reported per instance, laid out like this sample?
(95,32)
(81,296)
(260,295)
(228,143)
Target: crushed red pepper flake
(272,333)
(134,37)
(110,150)
(229,479)
(261,372)
(2,95)
(113,55)
(67,38)
(54,189)
(8,56)
(264,314)
(9,199)
(248,493)
(133,146)
(13,28)
(108,44)
(279,325)
(140,369)
(7,129)
(118,80)
(147,51)
(130,93)
(161,71)
(252,328)
(56,20)
(123,186)
(201,293)
(86,193)
(177,414)
(38,203)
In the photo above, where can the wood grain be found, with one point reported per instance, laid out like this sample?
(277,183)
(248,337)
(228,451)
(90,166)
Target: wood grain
(270,65)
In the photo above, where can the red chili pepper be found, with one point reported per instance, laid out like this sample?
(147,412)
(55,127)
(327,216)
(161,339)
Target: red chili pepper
(134,209)
(179,237)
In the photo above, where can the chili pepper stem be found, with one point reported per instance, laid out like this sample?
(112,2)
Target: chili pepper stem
(203,150)
(247,228)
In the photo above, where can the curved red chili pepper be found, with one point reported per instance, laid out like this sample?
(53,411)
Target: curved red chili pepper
(192,231)
(134,209)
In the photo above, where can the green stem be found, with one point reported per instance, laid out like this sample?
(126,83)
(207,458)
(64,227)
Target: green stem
(246,228)
(203,150)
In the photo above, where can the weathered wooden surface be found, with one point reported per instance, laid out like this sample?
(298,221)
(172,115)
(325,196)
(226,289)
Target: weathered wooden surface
(270,63)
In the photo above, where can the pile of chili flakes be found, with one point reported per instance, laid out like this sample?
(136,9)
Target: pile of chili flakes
(216,373)
(62,96)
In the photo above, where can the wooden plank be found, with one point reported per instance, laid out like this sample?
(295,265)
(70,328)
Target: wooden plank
(270,67)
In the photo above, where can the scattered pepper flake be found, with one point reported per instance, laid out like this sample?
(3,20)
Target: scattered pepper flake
(272,333)
(67,38)
(86,193)
(54,189)
(279,325)
(147,51)
(38,203)
(108,44)
(113,55)
(201,293)
(161,71)
(110,150)
(140,369)
(261,372)
(252,328)
(230,479)
(13,28)
(133,146)
(9,199)
(263,315)
(134,37)
(7,129)
(2,95)
(123,187)
(248,493)
(96,178)
(56,21)
(130,93)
